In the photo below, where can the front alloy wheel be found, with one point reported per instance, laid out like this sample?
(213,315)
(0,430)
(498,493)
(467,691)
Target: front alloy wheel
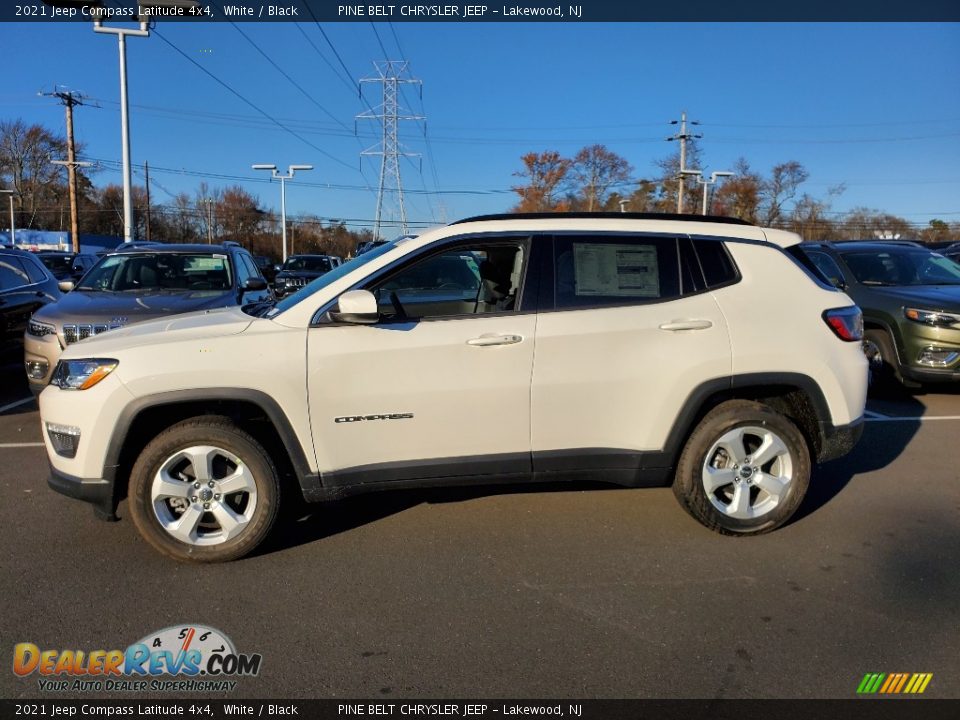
(204,491)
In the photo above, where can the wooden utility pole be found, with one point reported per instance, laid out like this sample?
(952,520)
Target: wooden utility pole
(69,99)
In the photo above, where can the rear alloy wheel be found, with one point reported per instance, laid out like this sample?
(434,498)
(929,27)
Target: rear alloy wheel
(204,491)
(744,470)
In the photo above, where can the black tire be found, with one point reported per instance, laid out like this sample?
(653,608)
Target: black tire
(885,374)
(258,509)
(748,417)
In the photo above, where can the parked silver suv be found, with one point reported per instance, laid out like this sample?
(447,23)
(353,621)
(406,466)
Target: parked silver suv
(133,284)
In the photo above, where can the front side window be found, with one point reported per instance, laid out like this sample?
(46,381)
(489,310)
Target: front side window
(614,270)
(470,280)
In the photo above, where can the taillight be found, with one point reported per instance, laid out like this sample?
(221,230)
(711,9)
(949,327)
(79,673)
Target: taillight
(846,323)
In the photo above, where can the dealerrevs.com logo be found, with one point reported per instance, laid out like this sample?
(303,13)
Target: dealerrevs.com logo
(201,658)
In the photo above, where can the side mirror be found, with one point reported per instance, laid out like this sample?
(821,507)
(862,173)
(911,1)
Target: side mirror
(838,283)
(356,306)
(66,285)
(276,268)
(255,284)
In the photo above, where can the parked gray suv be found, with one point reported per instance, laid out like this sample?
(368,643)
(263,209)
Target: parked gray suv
(133,284)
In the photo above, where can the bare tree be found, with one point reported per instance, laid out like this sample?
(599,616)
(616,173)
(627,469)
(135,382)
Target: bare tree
(596,169)
(780,189)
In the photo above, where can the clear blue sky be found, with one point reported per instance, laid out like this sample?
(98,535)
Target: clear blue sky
(873,106)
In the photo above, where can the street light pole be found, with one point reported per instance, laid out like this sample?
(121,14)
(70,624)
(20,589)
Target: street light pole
(711,181)
(13,232)
(121,34)
(291,171)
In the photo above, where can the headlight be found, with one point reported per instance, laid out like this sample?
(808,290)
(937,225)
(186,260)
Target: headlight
(81,374)
(40,329)
(932,317)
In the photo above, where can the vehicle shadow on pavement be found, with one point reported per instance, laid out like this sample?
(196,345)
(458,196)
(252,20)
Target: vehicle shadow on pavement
(302,523)
(882,443)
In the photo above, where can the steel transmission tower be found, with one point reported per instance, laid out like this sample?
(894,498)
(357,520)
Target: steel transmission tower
(390,73)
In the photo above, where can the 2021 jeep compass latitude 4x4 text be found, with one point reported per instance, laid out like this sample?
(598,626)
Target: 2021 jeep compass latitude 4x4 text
(639,350)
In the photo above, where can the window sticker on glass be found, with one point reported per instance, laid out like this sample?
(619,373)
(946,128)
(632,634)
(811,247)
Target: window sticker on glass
(201,262)
(616,270)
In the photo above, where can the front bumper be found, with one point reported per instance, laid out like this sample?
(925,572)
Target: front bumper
(838,440)
(97,491)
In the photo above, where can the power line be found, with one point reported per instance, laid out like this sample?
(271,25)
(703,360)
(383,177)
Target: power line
(252,104)
(289,79)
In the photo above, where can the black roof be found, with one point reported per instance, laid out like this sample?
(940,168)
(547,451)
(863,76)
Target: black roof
(605,216)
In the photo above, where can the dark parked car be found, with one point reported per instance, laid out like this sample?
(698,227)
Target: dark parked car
(25,286)
(299,271)
(67,265)
(952,252)
(266,267)
(910,297)
(132,284)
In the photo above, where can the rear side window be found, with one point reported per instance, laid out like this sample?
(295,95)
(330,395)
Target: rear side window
(12,273)
(614,270)
(715,262)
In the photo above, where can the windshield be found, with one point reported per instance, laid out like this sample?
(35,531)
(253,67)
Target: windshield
(902,266)
(308,263)
(330,277)
(57,263)
(160,271)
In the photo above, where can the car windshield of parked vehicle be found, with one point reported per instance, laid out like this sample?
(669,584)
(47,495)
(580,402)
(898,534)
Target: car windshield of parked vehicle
(307,263)
(901,266)
(338,272)
(160,271)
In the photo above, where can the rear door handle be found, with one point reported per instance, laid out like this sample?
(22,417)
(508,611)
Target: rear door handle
(687,325)
(488,340)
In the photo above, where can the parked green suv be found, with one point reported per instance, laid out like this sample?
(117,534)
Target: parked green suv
(910,297)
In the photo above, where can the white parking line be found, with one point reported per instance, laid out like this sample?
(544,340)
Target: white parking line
(917,418)
(871,414)
(20,445)
(18,403)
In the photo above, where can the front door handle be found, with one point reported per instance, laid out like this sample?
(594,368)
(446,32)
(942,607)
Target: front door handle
(488,340)
(687,325)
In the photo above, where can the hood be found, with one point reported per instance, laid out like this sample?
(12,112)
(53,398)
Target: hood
(90,306)
(926,297)
(206,324)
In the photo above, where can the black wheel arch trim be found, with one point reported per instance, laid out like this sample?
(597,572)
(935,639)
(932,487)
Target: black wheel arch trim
(309,479)
(696,405)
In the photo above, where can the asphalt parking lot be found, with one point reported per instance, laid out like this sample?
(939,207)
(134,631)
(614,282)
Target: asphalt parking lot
(571,592)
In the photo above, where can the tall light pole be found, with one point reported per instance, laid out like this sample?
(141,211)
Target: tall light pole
(122,33)
(13,231)
(291,171)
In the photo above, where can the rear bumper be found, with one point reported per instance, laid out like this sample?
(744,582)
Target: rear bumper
(838,440)
(96,491)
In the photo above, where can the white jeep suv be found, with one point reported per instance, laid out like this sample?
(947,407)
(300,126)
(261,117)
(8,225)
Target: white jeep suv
(638,350)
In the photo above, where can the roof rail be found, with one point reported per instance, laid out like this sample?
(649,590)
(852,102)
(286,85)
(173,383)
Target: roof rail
(604,216)
(231,243)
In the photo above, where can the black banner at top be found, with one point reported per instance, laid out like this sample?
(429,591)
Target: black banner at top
(568,11)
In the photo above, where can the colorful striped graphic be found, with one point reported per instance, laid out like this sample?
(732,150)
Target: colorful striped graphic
(894,683)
